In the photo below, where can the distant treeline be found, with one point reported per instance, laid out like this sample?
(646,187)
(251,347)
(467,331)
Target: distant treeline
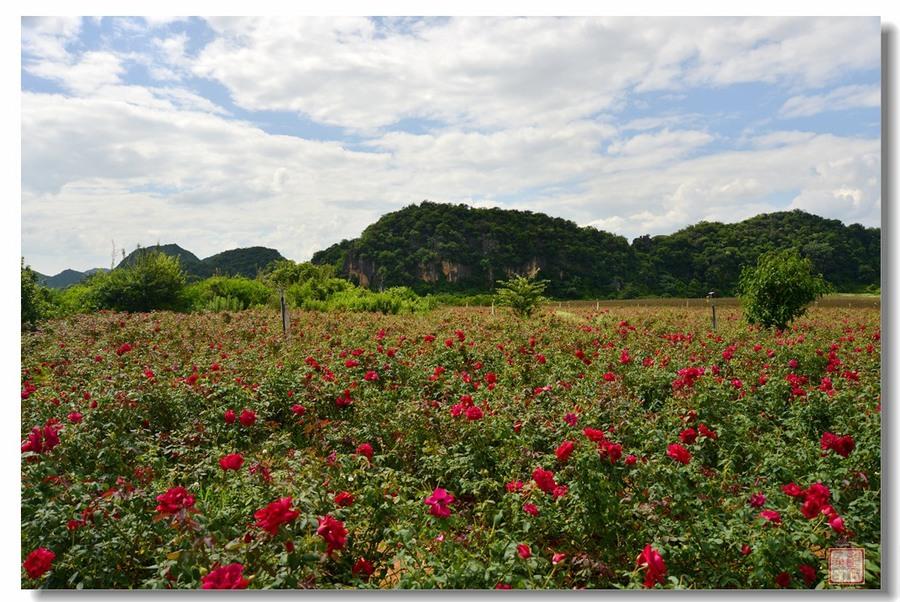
(443,248)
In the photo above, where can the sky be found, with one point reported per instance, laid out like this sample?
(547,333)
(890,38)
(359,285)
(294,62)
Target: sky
(296,133)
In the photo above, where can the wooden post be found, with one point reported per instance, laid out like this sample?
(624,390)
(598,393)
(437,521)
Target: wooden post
(285,315)
(492,308)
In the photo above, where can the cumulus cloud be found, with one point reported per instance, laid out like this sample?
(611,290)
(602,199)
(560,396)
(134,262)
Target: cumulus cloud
(522,113)
(500,72)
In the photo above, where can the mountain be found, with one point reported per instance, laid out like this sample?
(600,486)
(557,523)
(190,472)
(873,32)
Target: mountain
(435,247)
(190,263)
(66,278)
(236,262)
(246,262)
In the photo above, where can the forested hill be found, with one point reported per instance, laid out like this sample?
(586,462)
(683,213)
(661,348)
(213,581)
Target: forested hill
(235,262)
(435,247)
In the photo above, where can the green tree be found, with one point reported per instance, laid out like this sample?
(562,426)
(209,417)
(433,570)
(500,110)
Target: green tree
(35,298)
(522,294)
(779,288)
(154,281)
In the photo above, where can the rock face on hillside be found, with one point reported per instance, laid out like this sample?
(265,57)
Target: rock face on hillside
(436,247)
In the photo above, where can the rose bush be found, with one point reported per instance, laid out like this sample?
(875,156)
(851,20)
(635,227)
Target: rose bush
(621,448)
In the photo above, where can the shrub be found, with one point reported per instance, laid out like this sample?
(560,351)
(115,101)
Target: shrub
(154,281)
(523,294)
(35,298)
(779,288)
(243,291)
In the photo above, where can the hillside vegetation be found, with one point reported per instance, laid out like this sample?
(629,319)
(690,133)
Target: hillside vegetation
(436,247)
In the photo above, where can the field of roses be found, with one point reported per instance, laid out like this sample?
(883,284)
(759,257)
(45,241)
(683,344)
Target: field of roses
(619,448)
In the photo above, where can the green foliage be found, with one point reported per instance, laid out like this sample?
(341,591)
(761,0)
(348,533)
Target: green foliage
(194,269)
(217,304)
(779,288)
(284,273)
(523,294)
(35,298)
(247,262)
(78,298)
(242,291)
(153,280)
(443,248)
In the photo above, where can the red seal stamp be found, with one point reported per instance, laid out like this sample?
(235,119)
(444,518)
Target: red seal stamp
(845,566)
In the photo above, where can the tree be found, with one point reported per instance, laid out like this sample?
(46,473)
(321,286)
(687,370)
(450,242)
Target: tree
(779,288)
(522,294)
(154,281)
(35,298)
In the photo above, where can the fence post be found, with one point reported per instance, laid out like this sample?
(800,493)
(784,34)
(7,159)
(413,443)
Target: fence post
(285,315)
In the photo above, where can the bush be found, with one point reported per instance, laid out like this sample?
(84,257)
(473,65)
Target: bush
(35,298)
(154,281)
(523,294)
(778,289)
(243,291)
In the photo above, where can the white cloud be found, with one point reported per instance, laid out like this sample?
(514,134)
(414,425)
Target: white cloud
(526,113)
(47,36)
(845,97)
(501,72)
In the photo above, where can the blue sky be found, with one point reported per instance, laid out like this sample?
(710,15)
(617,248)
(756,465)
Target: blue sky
(296,133)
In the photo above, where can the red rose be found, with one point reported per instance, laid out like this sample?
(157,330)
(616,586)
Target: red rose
(808,573)
(274,515)
(757,500)
(231,462)
(474,413)
(707,432)
(298,409)
(333,532)
(611,450)
(688,436)
(365,449)
(229,416)
(439,502)
(565,450)
(174,500)
(772,516)
(530,508)
(783,579)
(792,489)
(230,576)
(524,551)
(678,453)
(595,435)
(248,417)
(364,568)
(75,417)
(544,480)
(344,498)
(343,400)
(514,486)
(651,559)
(38,562)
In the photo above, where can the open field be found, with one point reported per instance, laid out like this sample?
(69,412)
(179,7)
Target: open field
(450,449)
(840,300)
